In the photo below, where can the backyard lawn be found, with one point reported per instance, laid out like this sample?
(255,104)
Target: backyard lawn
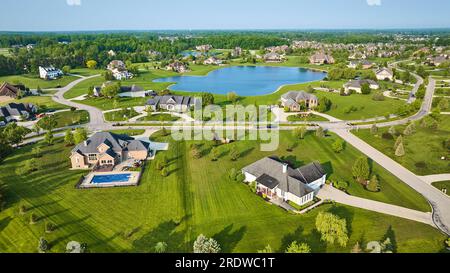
(69,118)
(33,81)
(423,150)
(40,101)
(196,197)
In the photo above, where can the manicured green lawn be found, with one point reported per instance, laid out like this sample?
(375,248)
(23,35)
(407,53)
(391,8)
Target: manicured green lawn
(86,71)
(424,149)
(33,81)
(83,87)
(71,118)
(39,101)
(159,117)
(443,185)
(195,198)
(120,115)
(130,132)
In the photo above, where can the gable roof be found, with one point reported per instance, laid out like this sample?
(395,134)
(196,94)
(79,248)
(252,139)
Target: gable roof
(269,172)
(298,96)
(117,143)
(9,90)
(171,99)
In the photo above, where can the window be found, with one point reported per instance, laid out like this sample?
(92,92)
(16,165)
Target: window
(92,157)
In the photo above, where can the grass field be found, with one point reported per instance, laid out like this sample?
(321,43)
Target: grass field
(195,198)
(39,101)
(309,118)
(33,81)
(69,118)
(159,117)
(424,149)
(5,52)
(443,185)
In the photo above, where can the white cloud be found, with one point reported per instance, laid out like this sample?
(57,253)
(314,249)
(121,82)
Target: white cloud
(73,2)
(374,2)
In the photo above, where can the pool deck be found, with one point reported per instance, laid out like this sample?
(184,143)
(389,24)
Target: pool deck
(87,182)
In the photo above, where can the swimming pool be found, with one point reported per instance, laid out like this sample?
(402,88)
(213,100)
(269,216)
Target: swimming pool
(111,178)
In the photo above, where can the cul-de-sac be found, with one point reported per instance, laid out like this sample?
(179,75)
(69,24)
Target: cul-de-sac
(186,139)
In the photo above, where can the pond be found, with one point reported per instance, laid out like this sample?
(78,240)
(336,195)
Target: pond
(244,80)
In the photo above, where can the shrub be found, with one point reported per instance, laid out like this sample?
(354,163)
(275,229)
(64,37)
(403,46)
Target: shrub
(33,219)
(49,227)
(387,135)
(338,145)
(374,184)
(378,97)
(340,185)
(164,172)
(204,244)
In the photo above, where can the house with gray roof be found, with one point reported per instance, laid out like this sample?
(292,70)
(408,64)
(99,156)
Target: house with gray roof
(16,112)
(277,180)
(105,149)
(297,100)
(171,103)
(356,85)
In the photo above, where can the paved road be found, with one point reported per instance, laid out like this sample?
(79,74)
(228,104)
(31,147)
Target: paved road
(96,121)
(439,201)
(328,192)
(435,178)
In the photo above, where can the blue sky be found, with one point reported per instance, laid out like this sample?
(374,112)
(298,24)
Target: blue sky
(65,15)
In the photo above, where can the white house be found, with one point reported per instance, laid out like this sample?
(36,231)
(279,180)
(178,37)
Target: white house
(212,61)
(385,73)
(356,85)
(276,179)
(119,70)
(49,72)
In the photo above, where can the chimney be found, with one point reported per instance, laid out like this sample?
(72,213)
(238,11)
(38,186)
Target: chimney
(85,143)
(285,167)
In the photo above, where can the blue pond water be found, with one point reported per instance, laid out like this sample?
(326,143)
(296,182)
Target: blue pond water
(111,178)
(244,80)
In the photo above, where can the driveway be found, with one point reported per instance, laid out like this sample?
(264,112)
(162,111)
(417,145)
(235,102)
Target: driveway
(439,201)
(328,192)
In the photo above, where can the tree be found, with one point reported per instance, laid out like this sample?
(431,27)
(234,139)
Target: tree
(232,96)
(66,69)
(392,130)
(299,132)
(161,247)
(357,248)
(234,154)
(36,128)
(111,90)
(68,138)
(49,138)
(29,166)
(398,142)
(195,153)
(374,184)
(214,154)
(338,145)
(324,104)
(80,135)
(410,129)
(204,244)
(91,64)
(36,152)
(360,169)
(164,172)
(48,123)
(400,151)
(207,99)
(332,228)
(267,249)
(443,104)
(320,132)
(294,247)
(365,88)
(374,129)
(14,134)
(43,245)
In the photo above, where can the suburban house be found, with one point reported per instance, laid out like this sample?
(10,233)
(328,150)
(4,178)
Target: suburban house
(273,57)
(357,56)
(295,99)
(278,49)
(119,70)
(237,51)
(356,85)
(438,61)
(277,180)
(365,64)
(171,103)
(204,48)
(16,112)
(177,67)
(385,74)
(104,150)
(9,91)
(212,61)
(49,72)
(321,58)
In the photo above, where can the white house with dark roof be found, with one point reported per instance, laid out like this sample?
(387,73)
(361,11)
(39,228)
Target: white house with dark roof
(171,103)
(356,85)
(49,72)
(277,179)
